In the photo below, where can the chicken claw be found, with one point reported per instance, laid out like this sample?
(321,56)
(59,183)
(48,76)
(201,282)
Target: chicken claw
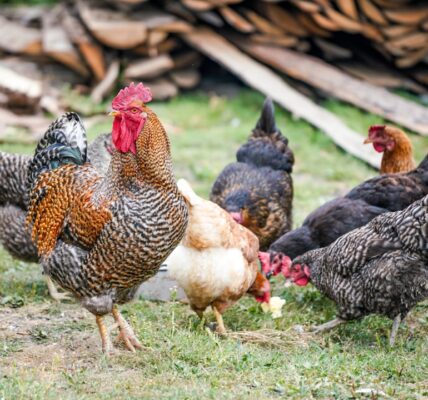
(126,334)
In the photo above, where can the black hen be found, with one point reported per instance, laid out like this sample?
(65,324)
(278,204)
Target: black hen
(380,268)
(257,190)
(391,192)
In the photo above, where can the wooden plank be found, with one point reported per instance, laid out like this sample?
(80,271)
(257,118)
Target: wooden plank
(266,81)
(342,86)
(105,86)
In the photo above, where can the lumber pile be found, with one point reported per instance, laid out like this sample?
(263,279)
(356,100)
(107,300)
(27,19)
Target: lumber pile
(362,48)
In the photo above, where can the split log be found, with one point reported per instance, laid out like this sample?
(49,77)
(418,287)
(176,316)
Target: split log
(149,68)
(112,28)
(185,78)
(90,50)
(19,91)
(107,84)
(342,86)
(57,44)
(264,80)
(15,38)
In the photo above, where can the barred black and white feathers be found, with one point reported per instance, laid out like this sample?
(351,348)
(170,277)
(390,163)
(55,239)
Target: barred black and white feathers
(63,143)
(381,267)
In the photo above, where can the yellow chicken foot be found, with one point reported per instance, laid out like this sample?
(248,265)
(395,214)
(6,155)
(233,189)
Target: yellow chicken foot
(220,324)
(107,346)
(126,334)
(53,291)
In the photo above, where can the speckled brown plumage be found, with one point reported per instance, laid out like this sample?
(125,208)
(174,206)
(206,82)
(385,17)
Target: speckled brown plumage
(258,186)
(134,216)
(14,236)
(379,268)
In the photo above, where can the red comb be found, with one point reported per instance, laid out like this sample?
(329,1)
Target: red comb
(375,128)
(131,93)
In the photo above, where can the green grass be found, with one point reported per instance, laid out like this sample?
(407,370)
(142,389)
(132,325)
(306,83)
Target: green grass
(50,351)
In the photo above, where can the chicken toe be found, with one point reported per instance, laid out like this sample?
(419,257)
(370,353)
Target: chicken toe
(126,333)
(53,291)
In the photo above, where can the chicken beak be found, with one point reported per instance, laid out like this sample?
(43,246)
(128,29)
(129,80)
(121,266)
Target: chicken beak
(114,113)
(367,141)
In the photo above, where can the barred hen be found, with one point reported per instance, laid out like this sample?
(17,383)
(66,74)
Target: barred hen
(257,190)
(217,260)
(14,237)
(389,192)
(120,226)
(380,268)
(396,147)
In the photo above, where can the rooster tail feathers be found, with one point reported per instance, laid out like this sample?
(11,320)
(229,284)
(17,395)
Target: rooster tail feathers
(266,122)
(63,143)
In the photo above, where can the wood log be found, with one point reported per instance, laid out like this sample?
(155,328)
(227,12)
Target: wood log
(162,89)
(262,24)
(90,50)
(15,38)
(185,78)
(349,8)
(149,68)
(342,86)
(286,20)
(105,86)
(408,16)
(166,46)
(112,28)
(373,12)
(236,20)
(57,44)
(282,41)
(19,91)
(264,80)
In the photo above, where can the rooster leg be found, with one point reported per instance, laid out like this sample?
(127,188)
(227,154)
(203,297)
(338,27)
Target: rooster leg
(220,324)
(126,334)
(328,325)
(395,325)
(105,338)
(53,291)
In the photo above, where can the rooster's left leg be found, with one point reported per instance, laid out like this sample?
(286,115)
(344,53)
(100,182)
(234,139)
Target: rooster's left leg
(126,334)
(328,325)
(107,346)
(395,325)
(220,324)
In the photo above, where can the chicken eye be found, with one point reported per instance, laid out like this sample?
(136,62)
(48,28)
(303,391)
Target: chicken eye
(134,110)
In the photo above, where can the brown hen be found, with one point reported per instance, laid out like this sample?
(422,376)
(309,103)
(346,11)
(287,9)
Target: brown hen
(396,147)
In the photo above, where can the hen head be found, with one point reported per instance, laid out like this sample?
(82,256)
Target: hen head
(130,115)
(273,263)
(246,209)
(385,138)
(260,289)
(299,272)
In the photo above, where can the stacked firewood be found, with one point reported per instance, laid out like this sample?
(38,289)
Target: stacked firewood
(105,43)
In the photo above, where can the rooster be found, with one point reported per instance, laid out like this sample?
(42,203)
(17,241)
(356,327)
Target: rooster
(217,260)
(389,192)
(257,190)
(379,268)
(396,147)
(121,226)
(14,237)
